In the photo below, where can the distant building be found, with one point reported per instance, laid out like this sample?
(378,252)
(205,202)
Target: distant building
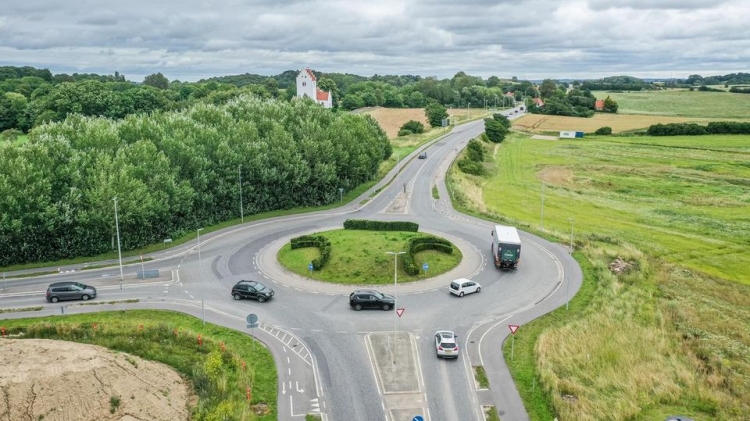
(599,105)
(538,102)
(307,87)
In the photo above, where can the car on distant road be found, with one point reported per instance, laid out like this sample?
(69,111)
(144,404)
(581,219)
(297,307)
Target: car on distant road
(251,289)
(446,344)
(463,286)
(367,298)
(423,155)
(62,291)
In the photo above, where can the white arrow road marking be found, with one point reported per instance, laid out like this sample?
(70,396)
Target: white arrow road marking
(298,389)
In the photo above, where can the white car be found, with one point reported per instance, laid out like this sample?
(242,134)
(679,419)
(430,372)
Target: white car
(446,344)
(464,286)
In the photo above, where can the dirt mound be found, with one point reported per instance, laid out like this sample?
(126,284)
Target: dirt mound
(55,380)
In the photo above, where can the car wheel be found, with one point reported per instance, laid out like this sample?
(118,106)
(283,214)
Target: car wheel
(461,294)
(358,307)
(237,296)
(261,299)
(54,299)
(85,297)
(386,307)
(479,289)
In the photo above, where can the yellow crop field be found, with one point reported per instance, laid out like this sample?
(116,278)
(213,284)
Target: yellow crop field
(539,123)
(391,119)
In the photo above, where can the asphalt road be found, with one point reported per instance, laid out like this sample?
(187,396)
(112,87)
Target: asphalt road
(324,362)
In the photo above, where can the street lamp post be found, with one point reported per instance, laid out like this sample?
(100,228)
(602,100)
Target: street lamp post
(341,195)
(119,250)
(200,274)
(395,288)
(541,220)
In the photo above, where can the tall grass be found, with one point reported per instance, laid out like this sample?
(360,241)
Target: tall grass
(682,102)
(671,333)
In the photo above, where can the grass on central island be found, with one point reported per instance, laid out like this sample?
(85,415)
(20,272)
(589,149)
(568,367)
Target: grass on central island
(360,258)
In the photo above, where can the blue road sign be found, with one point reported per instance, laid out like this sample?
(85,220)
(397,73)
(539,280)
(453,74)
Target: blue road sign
(418,417)
(425,266)
(310,267)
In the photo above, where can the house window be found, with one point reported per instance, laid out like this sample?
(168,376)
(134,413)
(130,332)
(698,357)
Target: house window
(304,83)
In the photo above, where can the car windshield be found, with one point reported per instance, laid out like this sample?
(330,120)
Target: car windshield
(259,287)
(377,295)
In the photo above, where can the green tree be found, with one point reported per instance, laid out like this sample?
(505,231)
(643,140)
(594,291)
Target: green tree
(272,87)
(547,89)
(157,80)
(435,114)
(495,130)
(352,102)
(610,105)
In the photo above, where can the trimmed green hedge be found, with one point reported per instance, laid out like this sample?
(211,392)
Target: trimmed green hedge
(364,224)
(319,241)
(420,244)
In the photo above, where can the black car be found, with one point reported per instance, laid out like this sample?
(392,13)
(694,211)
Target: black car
(423,155)
(251,289)
(366,298)
(60,291)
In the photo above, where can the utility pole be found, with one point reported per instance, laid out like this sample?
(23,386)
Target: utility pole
(541,221)
(242,213)
(119,250)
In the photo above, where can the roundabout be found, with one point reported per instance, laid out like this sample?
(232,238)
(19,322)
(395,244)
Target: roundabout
(341,364)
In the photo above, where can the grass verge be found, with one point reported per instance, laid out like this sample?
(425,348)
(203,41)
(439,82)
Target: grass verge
(480,376)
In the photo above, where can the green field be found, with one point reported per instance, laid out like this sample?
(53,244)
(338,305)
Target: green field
(684,199)
(359,258)
(682,102)
(671,333)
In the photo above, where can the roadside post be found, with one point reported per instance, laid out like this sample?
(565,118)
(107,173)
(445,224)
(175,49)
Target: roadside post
(252,323)
(425,266)
(310,268)
(513,329)
(143,270)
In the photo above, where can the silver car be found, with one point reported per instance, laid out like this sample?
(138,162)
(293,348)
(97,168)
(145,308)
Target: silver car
(446,344)
(61,291)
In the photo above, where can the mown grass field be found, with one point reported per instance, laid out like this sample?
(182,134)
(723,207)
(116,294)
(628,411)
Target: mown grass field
(359,258)
(215,374)
(670,335)
(682,103)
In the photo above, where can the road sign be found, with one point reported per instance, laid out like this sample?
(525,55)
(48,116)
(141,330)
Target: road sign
(425,267)
(513,328)
(417,418)
(310,267)
(399,311)
(251,319)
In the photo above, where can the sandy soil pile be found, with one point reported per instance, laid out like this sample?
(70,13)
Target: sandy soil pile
(55,380)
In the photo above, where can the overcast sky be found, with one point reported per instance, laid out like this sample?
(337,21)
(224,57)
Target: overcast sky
(190,40)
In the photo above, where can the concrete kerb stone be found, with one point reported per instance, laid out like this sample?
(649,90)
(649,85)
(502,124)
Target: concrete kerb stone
(471,263)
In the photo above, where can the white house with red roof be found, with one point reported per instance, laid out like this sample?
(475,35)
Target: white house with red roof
(307,86)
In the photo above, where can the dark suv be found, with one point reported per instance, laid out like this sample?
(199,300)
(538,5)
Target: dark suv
(251,289)
(60,291)
(365,298)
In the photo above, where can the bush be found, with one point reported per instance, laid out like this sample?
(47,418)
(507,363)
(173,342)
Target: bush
(470,167)
(413,126)
(322,243)
(404,132)
(606,130)
(420,244)
(363,224)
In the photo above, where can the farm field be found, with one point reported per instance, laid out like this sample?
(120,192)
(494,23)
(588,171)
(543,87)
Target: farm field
(540,123)
(391,119)
(682,103)
(671,333)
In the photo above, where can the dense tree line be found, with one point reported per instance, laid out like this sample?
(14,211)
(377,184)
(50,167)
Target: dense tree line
(31,97)
(617,83)
(561,99)
(173,172)
(729,79)
(693,129)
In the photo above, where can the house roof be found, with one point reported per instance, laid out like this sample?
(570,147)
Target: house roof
(322,95)
(509,93)
(538,101)
(310,72)
(599,105)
